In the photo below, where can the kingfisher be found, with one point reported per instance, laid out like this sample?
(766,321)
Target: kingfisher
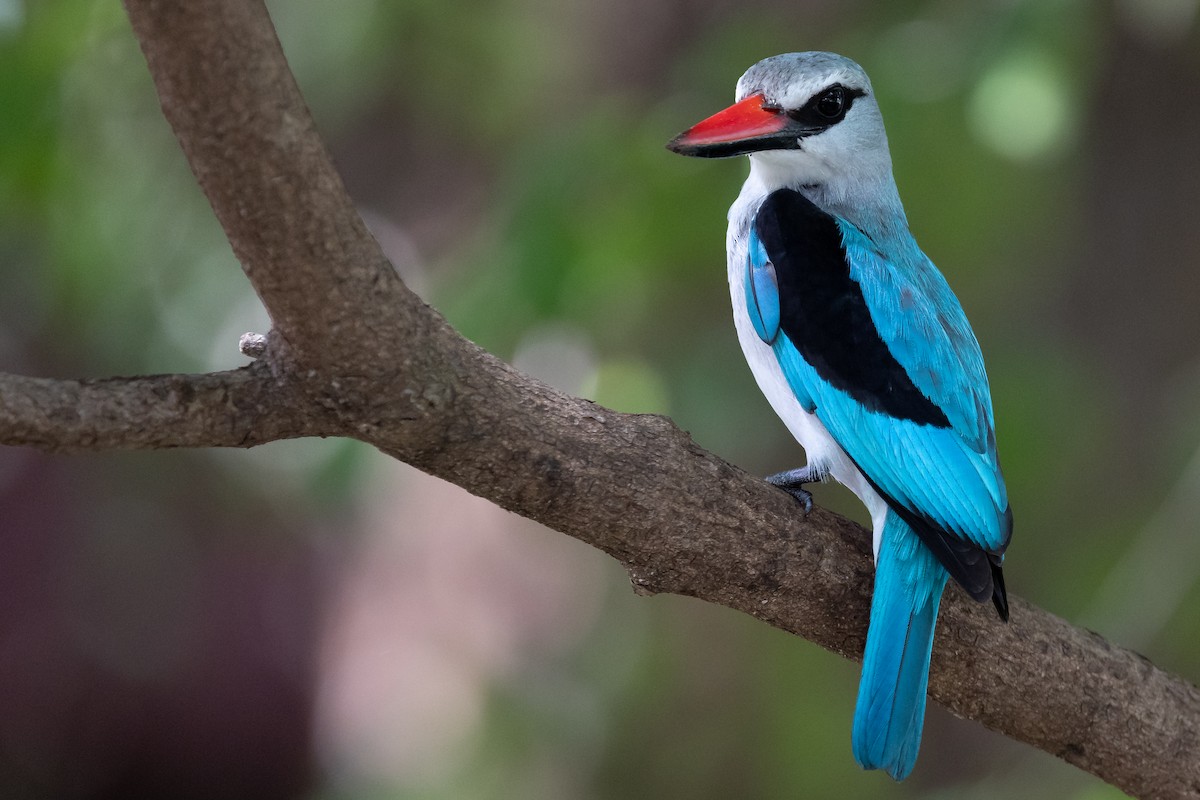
(863,350)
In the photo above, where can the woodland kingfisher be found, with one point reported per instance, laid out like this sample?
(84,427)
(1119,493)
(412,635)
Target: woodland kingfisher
(863,350)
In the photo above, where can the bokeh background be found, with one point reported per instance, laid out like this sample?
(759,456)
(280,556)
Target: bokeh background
(311,619)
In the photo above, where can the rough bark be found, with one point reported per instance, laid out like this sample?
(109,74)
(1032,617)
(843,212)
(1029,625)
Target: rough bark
(239,408)
(355,353)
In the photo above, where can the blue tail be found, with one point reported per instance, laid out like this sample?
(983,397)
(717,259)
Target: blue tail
(891,694)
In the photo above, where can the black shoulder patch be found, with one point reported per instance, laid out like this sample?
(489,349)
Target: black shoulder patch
(823,312)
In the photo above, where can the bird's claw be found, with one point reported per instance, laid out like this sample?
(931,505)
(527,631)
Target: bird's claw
(792,481)
(803,496)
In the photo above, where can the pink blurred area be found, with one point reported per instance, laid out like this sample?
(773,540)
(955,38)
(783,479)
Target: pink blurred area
(445,595)
(178,652)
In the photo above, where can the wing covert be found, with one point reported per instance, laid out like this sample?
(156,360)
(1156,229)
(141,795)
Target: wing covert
(889,365)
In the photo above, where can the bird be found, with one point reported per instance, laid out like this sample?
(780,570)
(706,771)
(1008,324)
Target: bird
(864,351)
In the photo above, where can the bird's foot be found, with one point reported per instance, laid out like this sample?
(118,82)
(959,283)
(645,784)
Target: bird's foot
(792,481)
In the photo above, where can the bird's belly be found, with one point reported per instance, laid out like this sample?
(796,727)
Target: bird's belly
(824,453)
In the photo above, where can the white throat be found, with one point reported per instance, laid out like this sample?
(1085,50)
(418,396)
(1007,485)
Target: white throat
(864,195)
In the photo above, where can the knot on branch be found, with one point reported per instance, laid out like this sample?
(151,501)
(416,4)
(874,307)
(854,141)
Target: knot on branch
(253,345)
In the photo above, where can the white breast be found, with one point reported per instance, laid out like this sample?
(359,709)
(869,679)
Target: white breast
(824,454)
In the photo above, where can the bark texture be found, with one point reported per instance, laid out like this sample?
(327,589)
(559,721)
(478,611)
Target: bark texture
(354,353)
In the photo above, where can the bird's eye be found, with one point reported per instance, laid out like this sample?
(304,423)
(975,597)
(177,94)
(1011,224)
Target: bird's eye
(831,102)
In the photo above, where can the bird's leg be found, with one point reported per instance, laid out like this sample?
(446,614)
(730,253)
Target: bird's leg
(792,481)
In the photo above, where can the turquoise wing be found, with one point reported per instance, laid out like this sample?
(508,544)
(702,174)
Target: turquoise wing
(880,350)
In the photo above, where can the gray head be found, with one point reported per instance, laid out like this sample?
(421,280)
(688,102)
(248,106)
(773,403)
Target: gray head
(806,120)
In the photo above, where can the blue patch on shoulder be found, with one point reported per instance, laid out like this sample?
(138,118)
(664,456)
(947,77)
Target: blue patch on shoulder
(762,290)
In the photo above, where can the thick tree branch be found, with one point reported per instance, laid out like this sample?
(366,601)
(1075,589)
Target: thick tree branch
(361,353)
(239,116)
(240,408)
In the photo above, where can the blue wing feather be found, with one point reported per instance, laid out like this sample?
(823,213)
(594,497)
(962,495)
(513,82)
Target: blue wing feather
(948,476)
(926,330)
(929,470)
(762,291)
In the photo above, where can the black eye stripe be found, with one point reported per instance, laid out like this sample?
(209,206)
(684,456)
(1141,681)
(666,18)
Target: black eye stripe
(830,102)
(825,108)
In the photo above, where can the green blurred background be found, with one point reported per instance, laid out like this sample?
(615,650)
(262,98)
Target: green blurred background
(309,619)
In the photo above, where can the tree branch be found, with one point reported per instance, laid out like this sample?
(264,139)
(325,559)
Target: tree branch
(366,358)
(240,408)
(231,99)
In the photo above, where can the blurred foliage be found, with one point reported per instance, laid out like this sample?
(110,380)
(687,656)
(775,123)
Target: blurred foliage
(510,157)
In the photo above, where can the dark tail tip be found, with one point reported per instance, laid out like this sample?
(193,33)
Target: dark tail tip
(999,595)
